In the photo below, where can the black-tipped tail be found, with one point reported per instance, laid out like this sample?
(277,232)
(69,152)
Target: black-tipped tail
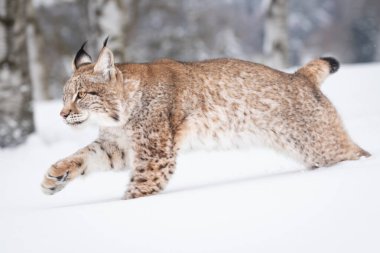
(318,70)
(334,64)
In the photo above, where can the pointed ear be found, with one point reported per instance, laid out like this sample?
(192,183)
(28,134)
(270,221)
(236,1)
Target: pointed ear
(105,63)
(81,58)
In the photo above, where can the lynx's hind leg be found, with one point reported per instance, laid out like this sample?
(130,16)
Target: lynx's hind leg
(316,132)
(351,153)
(322,143)
(316,150)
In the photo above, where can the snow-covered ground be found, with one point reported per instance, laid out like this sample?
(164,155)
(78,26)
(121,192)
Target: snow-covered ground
(227,201)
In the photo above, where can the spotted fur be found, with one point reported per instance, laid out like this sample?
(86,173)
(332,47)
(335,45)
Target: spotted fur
(148,112)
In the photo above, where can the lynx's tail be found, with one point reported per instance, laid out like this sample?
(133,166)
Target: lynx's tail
(318,70)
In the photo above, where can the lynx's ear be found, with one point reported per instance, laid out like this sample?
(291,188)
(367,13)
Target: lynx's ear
(81,58)
(105,63)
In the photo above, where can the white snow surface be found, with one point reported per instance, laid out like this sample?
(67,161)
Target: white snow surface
(226,201)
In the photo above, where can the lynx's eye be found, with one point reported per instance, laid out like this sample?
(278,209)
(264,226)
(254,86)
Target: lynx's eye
(81,95)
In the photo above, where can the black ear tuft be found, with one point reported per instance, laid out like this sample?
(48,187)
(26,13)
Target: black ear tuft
(83,45)
(82,57)
(105,41)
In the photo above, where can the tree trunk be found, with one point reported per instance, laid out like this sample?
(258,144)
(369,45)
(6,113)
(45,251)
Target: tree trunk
(16,111)
(108,18)
(276,33)
(37,63)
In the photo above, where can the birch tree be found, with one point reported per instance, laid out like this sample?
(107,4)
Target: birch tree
(276,33)
(37,61)
(16,113)
(113,18)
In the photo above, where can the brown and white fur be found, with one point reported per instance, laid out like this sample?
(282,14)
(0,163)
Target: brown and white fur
(148,112)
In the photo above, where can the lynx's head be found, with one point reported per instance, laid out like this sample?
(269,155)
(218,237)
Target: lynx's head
(94,91)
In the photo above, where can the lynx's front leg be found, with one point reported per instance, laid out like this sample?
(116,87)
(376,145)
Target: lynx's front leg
(154,160)
(99,155)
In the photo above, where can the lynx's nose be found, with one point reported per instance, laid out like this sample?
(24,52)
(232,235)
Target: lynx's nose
(65,112)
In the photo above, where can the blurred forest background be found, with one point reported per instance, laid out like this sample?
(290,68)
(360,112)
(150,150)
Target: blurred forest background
(38,39)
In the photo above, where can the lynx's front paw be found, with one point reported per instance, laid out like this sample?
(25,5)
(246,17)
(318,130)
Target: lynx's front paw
(60,173)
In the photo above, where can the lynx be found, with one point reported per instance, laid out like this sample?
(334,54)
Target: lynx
(148,112)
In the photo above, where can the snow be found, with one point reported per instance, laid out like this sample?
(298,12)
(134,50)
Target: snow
(227,201)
